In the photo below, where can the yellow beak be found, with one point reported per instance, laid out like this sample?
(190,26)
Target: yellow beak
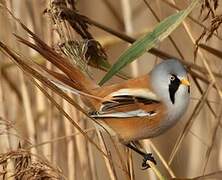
(185,82)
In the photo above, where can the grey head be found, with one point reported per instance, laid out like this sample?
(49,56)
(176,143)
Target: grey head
(169,82)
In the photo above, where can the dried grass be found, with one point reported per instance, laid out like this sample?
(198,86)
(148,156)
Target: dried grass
(39,139)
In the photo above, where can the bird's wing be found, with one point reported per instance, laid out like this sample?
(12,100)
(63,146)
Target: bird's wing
(125,103)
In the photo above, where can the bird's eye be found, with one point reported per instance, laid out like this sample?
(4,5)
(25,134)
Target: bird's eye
(172,78)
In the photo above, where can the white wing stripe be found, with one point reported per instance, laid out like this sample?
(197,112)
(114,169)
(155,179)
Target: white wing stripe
(136,113)
(138,92)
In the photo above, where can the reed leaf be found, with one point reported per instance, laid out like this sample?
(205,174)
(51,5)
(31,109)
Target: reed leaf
(160,32)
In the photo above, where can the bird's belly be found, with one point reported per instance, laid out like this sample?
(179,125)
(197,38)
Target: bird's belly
(135,128)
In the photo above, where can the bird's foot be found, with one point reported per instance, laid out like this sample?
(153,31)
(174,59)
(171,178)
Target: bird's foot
(147,157)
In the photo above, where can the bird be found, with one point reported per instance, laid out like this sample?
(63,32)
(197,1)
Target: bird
(143,107)
(135,109)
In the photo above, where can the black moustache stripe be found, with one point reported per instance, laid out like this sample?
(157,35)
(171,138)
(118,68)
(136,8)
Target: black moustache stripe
(173,87)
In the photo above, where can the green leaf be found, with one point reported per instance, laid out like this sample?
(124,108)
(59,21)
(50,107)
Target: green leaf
(160,32)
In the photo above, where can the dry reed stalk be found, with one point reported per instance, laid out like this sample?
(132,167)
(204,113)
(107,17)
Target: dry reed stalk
(82,148)
(120,157)
(28,111)
(36,20)
(114,13)
(28,69)
(49,116)
(53,100)
(198,72)
(189,123)
(130,164)
(8,141)
(200,53)
(69,118)
(107,41)
(92,160)
(128,26)
(55,126)
(201,91)
(182,57)
(145,144)
(36,74)
(206,66)
(61,138)
(157,152)
(153,51)
(27,168)
(170,37)
(13,87)
(108,162)
(156,171)
(174,6)
(50,124)
(213,175)
(25,96)
(71,170)
(213,139)
(195,80)
(5,142)
(41,121)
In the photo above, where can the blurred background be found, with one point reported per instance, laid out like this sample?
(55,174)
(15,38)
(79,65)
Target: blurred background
(37,140)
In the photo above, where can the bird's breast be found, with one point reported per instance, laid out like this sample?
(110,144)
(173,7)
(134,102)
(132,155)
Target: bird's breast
(135,128)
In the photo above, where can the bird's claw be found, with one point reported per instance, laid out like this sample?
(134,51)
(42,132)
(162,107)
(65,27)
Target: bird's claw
(147,157)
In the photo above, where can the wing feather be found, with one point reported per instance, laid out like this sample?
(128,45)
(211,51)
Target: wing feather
(128,103)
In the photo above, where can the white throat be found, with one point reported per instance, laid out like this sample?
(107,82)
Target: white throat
(176,110)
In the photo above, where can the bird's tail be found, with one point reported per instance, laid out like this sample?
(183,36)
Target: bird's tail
(71,79)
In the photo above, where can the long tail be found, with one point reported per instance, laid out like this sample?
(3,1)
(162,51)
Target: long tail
(73,79)
(73,76)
